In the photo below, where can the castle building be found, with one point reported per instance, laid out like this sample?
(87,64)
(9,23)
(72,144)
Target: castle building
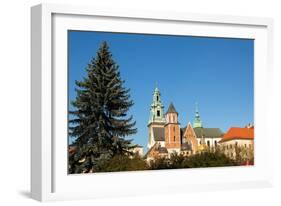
(165,136)
(237,137)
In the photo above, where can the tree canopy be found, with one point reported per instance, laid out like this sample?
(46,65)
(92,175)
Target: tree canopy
(100,122)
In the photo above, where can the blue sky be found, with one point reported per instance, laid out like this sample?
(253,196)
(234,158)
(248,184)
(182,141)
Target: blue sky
(215,72)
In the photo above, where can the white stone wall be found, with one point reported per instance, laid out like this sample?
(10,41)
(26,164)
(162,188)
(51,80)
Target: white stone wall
(229,146)
(239,142)
(212,141)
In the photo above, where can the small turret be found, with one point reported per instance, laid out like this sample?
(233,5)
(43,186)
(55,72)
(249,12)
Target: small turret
(197,121)
(172,114)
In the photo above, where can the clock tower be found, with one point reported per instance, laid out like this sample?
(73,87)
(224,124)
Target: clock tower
(156,120)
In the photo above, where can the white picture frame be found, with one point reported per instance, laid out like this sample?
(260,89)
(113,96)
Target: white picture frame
(49,179)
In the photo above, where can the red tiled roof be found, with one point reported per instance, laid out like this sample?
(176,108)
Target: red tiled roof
(238,133)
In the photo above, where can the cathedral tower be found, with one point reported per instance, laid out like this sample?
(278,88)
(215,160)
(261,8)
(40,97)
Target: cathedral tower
(197,121)
(156,120)
(172,130)
(156,109)
(198,126)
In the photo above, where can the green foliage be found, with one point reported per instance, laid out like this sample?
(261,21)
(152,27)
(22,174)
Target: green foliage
(244,154)
(208,159)
(159,163)
(176,161)
(86,158)
(204,159)
(100,123)
(122,163)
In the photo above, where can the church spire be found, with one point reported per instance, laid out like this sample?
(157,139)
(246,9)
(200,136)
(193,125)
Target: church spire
(156,108)
(172,108)
(197,121)
(172,114)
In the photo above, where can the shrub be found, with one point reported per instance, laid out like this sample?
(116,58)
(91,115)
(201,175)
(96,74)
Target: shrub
(122,163)
(204,159)
(159,163)
(208,159)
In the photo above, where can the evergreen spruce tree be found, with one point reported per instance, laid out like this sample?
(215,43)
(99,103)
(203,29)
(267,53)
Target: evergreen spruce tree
(100,124)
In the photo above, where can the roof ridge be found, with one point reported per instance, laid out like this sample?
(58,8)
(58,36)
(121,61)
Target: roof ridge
(239,133)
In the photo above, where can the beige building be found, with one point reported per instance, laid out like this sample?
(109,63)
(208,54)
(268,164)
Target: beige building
(138,150)
(238,140)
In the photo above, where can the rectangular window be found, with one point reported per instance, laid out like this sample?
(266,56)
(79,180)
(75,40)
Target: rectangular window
(158,113)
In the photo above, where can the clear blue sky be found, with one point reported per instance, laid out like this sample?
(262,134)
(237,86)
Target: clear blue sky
(215,72)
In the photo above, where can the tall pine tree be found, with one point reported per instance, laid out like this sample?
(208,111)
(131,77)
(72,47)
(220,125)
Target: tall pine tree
(100,124)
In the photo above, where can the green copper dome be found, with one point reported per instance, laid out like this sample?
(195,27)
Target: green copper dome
(197,121)
(156,108)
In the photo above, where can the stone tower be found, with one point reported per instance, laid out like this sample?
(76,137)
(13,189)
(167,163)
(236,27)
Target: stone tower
(156,120)
(172,130)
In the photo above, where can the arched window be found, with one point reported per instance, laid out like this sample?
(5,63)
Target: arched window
(158,113)
(208,143)
(216,144)
(174,138)
(157,98)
